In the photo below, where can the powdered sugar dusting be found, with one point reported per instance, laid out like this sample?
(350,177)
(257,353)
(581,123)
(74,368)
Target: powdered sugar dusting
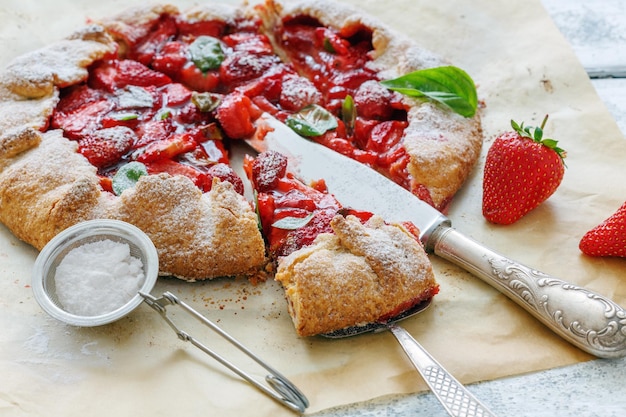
(121,137)
(98,278)
(298,92)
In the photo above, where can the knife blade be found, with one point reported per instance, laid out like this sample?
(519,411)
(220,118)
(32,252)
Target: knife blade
(586,319)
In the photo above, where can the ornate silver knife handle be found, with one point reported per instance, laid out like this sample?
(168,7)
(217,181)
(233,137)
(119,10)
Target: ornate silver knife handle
(586,319)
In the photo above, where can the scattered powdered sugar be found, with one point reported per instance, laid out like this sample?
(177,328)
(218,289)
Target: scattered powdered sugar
(97,278)
(121,137)
(298,92)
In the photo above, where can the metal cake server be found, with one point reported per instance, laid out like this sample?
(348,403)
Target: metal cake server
(453,396)
(588,320)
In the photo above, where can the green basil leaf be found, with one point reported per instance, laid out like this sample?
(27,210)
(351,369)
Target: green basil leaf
(124,116)
(348,113)
(448,85)
(127,176)
(292,223)
(206,53)
(312,120)
(328,46)
(164,113)
(206,102)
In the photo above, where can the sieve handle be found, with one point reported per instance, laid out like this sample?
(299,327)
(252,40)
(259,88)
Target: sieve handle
(278,386)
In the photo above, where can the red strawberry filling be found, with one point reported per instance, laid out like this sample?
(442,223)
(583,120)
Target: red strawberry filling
(183,89)
(291,213)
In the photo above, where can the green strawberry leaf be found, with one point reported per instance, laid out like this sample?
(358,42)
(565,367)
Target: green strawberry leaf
(536,134)
(292,223)
(127,176)
(447,85)
(312,120)
(206,53)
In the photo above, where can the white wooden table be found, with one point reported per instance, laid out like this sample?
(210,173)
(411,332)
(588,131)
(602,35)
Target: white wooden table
(596,30)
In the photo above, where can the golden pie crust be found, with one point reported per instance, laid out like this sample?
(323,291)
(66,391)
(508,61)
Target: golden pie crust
(355,276)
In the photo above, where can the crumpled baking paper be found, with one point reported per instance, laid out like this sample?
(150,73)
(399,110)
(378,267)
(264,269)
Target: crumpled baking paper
(137,366)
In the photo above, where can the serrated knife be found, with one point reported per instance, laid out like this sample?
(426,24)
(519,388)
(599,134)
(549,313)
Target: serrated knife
(584,318)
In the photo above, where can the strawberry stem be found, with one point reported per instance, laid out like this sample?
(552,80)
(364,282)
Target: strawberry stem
(536,134)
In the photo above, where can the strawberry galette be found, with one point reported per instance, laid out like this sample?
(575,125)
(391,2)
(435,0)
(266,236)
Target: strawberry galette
(132,118)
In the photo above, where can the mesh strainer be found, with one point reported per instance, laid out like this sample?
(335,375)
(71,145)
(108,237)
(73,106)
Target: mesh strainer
(44,287)
(141,247)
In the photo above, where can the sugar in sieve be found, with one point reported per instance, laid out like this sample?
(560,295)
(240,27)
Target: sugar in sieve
(278,387)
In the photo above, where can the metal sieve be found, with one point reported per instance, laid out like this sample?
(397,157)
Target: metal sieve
(278,387)
(52,254)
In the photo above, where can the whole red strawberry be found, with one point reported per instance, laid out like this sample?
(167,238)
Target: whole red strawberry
(522,170)
(608,238)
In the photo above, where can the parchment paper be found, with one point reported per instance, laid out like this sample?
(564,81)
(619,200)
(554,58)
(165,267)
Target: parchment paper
(138,367)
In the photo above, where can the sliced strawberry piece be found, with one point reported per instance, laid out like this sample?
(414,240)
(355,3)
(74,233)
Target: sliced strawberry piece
(207,154)
(241,66)
(352,79)
(297,36)
(214,28)
(129,119)
(106,183)
(194,78)
(165,29)
(298,92)
(75,97)
(215,151)
(267,106)
(225,173)
(385,135)
(199,178)
(81,121)
(154,131)
(105,147)
(372,101)
(265,209)
(267,170)
(167,148)
(304,236)
(236,113)
(269,86)
(338,144)
(362,215)
(295,199)
(176,94)
(328,40)
(190,114)
(171,58)
(250,42)
(362,131)
(112,75)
